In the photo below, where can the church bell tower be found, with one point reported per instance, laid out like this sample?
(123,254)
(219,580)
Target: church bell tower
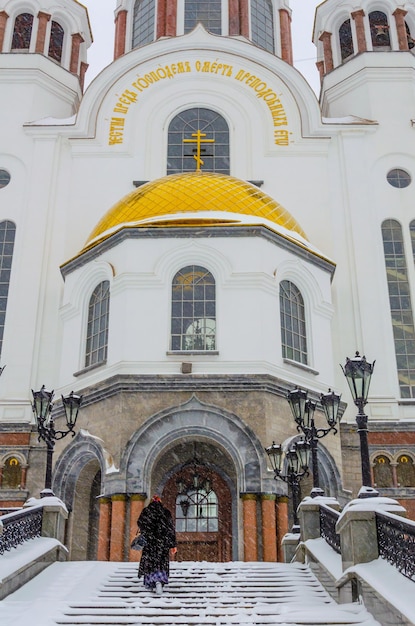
(360,48)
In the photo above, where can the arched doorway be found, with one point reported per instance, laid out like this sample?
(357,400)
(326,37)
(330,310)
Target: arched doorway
(200,501)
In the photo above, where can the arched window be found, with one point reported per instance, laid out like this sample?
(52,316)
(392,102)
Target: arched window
(379,30)
(144,22)
(12,473)
(400,306)
(346,40)
(197,511)
(206,12)
(7,236)
(56,42)
(262,24)
(382,472)
(22,31)
(182,139)
(405,471)
(98,320)
(193,318)
(293,329)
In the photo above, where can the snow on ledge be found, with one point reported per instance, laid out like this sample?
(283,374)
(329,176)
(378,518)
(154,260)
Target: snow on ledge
(30,551)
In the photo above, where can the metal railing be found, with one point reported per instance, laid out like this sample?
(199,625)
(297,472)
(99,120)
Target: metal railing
(328,520)
(396,542)
(16,528)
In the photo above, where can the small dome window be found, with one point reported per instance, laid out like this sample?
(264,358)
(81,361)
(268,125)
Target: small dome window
(398,178)
(346,40)
(4,178)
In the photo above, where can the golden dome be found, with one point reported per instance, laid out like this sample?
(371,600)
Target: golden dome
(195,198)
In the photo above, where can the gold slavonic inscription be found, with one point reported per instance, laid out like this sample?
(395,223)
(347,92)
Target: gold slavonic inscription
(262,90)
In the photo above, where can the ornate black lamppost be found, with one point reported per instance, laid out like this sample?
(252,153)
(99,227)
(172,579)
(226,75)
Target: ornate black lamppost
(303,413)
(42,409)
(358,373)
(291,472)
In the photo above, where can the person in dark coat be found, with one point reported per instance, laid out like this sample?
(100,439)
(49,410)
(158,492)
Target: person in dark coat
(156,525)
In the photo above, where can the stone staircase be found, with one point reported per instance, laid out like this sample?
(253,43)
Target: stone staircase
(199,594)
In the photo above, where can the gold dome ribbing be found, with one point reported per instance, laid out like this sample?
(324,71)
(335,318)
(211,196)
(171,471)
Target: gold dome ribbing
(190,193)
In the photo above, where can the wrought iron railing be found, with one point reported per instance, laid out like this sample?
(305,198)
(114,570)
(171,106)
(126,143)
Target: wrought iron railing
(396,542)
(328,520)
(20,527)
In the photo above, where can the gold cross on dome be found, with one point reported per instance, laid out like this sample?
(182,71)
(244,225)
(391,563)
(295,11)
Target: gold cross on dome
(198,141)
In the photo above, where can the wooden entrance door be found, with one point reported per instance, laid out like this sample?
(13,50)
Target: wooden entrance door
(202,516)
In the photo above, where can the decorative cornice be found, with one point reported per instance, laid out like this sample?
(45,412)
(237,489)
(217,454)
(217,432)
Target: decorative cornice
(195,233)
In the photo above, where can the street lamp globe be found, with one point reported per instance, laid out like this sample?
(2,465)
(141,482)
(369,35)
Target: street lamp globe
(358,373)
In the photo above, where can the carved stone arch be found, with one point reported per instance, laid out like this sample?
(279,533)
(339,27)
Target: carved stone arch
(78,479)
(11,453)
(189,420)
(82,450)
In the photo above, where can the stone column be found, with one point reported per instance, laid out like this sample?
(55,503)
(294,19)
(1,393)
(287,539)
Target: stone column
(120,34)
(3,20)
(269,527)
(136,506)
(325,38)
(360,30)
(244,18)
(77,39)
(171,19)
(104,529)
(250,526)
(234,22)
(282,524)
(161,19)
(399,15)
(285,32)
(118,520)
(43,19)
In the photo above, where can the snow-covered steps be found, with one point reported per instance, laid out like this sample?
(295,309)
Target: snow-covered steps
(199,594)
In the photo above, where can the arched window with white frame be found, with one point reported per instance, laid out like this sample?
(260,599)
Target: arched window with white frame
(400,305)
(56,41)
(98,325)
(293,325)
(182,149)
(346,40)
(22,32)
(379,30)
(193,318)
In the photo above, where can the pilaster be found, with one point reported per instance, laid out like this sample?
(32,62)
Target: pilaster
(43,19)
(360,30)
(269,527)
(250,526)
(118,520)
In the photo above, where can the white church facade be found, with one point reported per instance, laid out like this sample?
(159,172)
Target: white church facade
(189,239)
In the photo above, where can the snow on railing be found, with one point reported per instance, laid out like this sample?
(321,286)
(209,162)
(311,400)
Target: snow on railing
(396,542)
(20,526)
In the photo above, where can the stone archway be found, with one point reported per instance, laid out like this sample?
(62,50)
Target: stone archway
(165,442)
(77,482)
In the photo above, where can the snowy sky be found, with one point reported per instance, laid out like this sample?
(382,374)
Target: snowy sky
(101,15)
